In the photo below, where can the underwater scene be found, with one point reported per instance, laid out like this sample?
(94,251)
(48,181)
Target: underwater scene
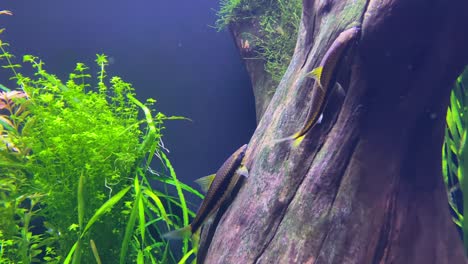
(233,131)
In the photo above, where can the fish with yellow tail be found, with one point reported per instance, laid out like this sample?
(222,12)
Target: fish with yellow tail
(219,187)
(325,81)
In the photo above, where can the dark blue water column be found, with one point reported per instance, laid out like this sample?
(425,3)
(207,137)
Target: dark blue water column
(166,49)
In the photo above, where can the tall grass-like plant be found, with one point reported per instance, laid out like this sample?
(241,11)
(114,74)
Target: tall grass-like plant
(455,154)
(77,155)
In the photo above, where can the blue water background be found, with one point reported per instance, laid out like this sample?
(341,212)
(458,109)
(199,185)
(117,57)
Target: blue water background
(166,49)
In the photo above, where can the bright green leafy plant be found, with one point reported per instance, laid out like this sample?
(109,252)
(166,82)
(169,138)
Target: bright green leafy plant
(77,157)
(455,154)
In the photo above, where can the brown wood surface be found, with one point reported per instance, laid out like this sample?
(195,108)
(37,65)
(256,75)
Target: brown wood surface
(365,186)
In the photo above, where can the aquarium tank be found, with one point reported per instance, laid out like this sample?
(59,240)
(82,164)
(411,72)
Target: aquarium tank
(86,157)
(132,133)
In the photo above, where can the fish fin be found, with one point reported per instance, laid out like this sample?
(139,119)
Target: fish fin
(276,141)
(298,141)
(320,119)
(339,89)
(289,138)
(196,241)
(179,233)
(209,220)
(243,171)
(205,182)
(316,74)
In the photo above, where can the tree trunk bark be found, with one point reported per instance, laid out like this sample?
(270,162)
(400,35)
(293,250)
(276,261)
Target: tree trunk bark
(262,84)
(365,185)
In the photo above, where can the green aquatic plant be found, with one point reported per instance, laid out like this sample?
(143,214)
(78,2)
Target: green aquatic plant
(76,157)
(455,154)
(276,23)
(229,12)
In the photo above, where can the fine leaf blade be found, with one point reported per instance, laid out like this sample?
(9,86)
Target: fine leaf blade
(105,207)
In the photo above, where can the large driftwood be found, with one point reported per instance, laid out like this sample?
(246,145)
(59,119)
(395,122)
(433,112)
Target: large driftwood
(262,83)
(365,185)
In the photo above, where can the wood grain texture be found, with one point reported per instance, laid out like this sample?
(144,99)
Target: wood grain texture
(365,186)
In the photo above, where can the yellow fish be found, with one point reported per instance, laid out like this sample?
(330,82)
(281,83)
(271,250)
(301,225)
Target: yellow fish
(219,188)
(324,76)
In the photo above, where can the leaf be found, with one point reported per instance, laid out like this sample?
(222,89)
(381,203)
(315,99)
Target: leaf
(184,259)
(104,208)
(6,123)
(453,131)
(181,197)
(152,132)
(81,204)
(140,259)
(95,251)
(129,229)
(456,113)
(73,227)
(457,222)
(101,59)
(11,66)
(159,204)
(78,252)
(184,186)
(141,210)
(4,88)
(70,253)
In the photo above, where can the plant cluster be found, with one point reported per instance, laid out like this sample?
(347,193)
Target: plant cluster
(278,24)
(455,154)
(75,161)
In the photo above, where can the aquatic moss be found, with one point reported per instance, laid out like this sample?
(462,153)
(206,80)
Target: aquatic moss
(277,22)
